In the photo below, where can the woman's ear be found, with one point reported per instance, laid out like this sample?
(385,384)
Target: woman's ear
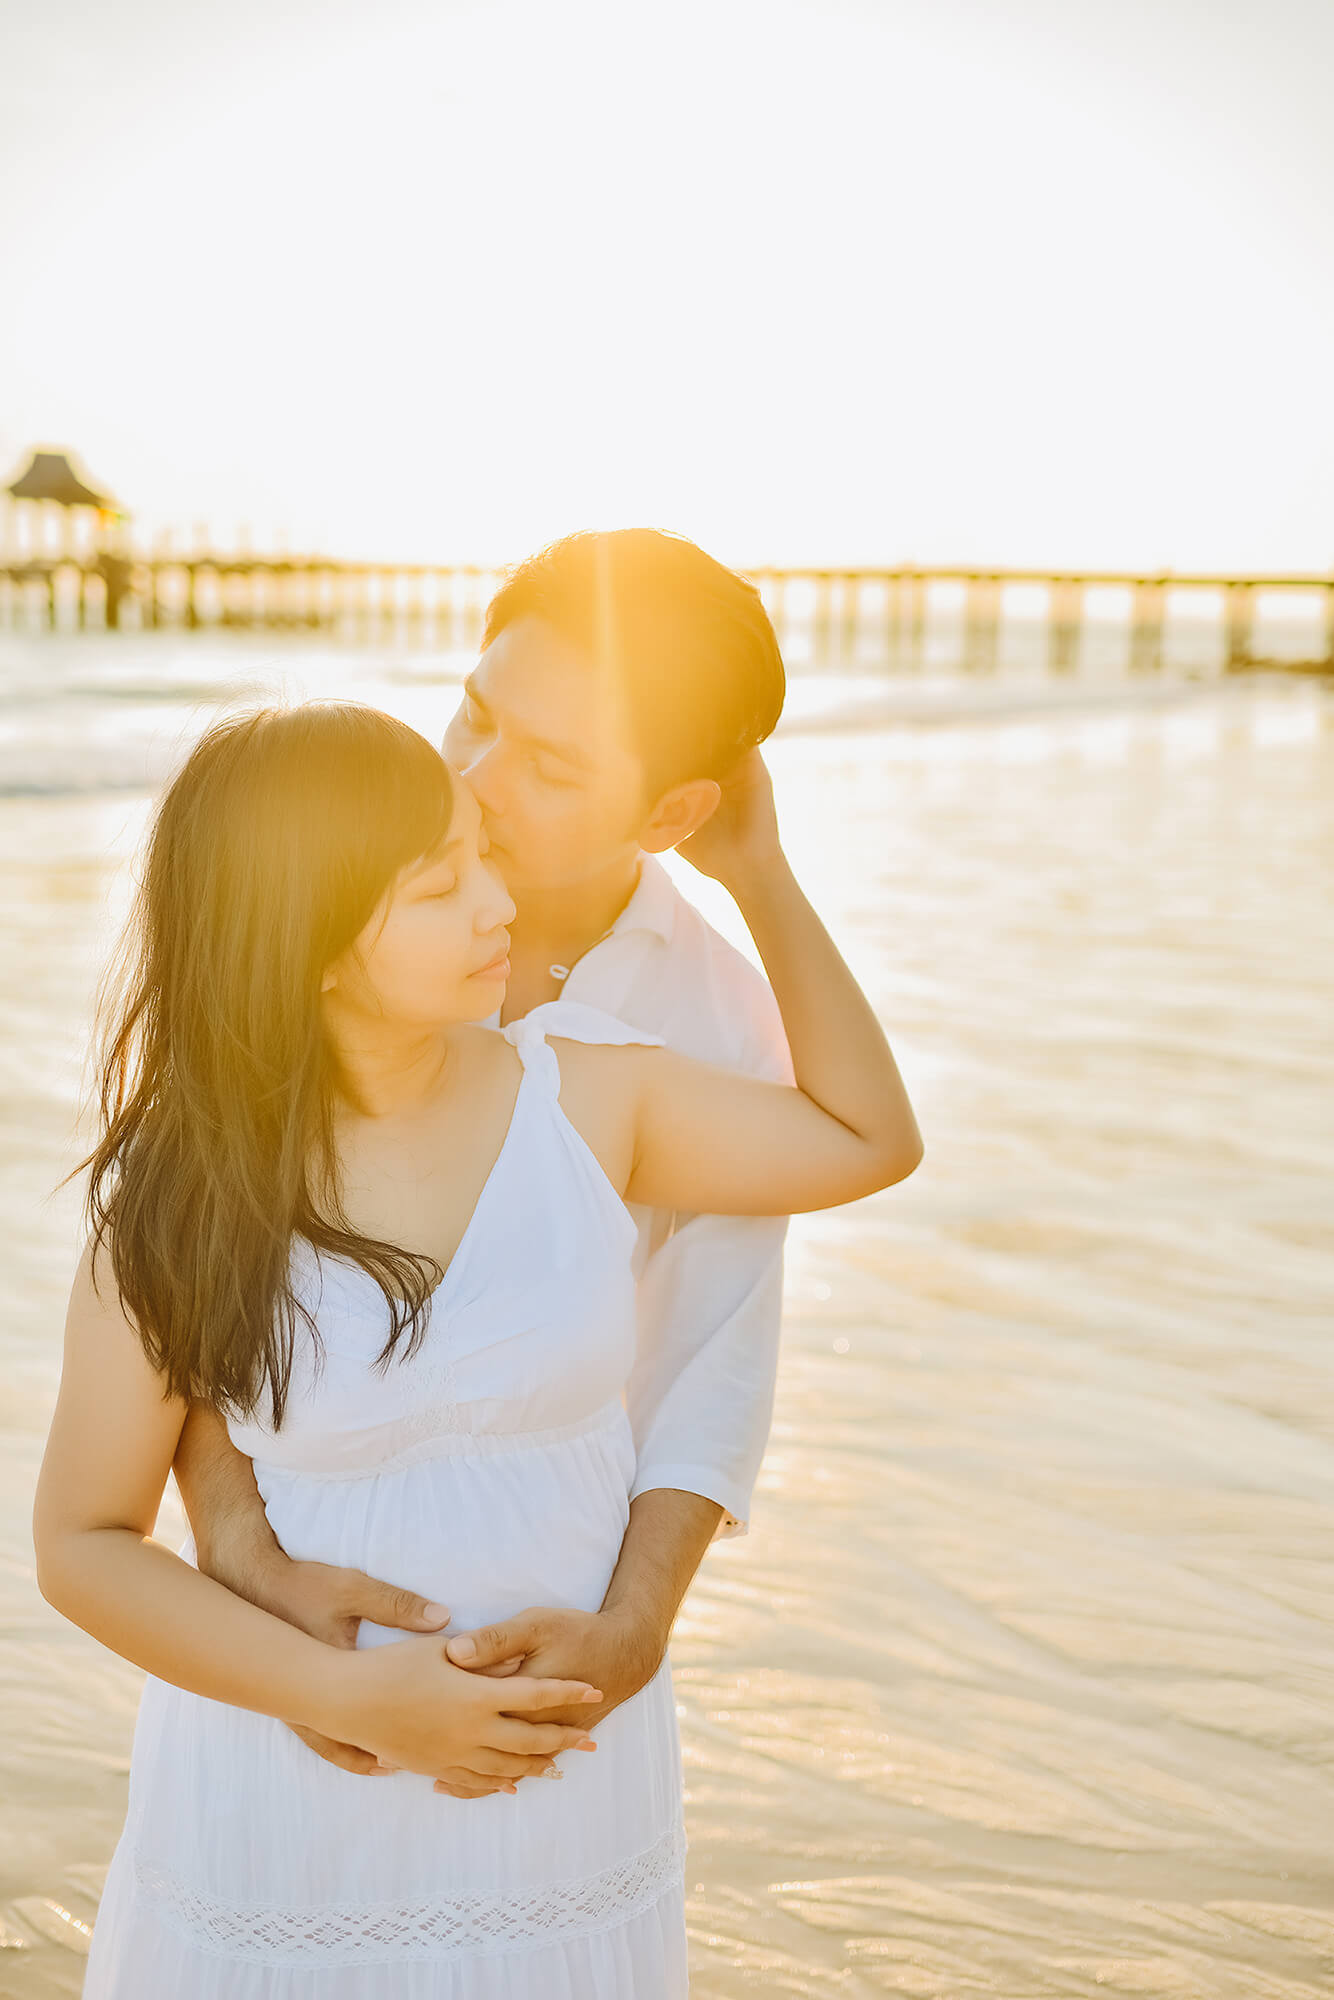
(679,813)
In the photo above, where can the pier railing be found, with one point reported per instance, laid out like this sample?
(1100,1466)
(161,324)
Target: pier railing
(905,616)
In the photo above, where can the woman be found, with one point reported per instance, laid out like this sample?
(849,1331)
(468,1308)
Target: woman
(390,1244)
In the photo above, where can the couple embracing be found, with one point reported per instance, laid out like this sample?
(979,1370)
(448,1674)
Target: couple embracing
(436,1232)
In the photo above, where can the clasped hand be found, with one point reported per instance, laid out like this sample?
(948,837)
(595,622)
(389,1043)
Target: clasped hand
(437,1708)
(410,1709)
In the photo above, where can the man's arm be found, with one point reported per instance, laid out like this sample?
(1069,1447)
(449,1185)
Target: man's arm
(235,1545)
(664,1544)
(222,1503)
(710,1304)
(700,1395)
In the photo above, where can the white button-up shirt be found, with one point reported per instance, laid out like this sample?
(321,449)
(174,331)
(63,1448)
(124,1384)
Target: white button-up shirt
(700,1397)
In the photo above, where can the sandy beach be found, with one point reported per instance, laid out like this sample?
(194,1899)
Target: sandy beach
(1022,1685)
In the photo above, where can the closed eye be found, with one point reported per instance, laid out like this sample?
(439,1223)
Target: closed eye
(438,895)
(546,773)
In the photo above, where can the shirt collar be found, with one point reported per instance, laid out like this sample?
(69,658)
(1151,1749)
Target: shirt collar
(652,907)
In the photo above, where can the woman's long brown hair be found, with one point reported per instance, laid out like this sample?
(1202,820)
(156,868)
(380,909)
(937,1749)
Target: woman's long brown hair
(217,1088)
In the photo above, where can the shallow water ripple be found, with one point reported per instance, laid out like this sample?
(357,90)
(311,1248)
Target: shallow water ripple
(1023,1684)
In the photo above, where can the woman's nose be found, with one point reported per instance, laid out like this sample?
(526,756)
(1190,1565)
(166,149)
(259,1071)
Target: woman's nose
(497,905)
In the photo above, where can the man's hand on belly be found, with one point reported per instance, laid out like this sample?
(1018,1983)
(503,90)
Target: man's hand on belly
(619,1648)
(612,1650)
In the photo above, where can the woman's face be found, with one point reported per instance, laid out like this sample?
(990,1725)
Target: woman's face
(437,948)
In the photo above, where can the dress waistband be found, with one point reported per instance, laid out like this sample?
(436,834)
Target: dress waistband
(439,1431)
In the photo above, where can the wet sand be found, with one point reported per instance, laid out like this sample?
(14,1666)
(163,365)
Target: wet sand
(1023,1683)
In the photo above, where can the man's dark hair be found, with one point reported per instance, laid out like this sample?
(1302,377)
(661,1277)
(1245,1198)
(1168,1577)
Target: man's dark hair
(689,641)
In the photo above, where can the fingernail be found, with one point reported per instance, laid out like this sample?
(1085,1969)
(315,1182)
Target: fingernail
(461,1649)
(513,1790)
(380,1765)
(553,1771)
(587,1744)
(435,1614)
(592,1694)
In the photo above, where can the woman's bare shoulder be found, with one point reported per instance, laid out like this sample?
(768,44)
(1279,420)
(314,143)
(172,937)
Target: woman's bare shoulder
(485,1051)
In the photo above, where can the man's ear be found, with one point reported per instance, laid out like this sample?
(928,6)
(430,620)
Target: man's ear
(679,813)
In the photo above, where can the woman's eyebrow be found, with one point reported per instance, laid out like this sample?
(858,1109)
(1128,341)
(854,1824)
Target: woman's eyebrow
(437,856)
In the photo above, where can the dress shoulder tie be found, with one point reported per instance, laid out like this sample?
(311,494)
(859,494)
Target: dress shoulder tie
(570,1020)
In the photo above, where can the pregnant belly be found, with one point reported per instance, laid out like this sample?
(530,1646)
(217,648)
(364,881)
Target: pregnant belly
(486,1532)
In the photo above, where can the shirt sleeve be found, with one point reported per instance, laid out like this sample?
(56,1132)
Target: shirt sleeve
(700,1395)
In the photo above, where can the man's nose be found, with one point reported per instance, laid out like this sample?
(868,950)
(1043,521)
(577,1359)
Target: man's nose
(483,777)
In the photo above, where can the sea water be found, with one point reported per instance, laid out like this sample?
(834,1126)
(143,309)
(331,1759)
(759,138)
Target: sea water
(1022,1684)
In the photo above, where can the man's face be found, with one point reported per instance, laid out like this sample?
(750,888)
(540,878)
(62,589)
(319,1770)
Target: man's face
(540,736)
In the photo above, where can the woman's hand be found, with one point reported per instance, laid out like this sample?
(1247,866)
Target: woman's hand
(741,837)
(328,1603)
(415,1711)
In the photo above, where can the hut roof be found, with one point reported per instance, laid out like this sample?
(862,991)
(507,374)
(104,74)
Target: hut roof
(51,477)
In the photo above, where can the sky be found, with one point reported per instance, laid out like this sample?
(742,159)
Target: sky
(1029,281)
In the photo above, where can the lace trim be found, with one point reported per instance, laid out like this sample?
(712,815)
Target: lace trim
(447,1927)
(422,1435)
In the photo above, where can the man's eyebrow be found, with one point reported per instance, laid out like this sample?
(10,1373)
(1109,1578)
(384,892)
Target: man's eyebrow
(569,753)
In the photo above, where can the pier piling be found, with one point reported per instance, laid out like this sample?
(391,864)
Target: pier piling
(914,585)
(982,618)
(1239,625)
(1147,609)
(1065,617)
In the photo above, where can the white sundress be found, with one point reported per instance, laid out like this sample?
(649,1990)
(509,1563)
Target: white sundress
(490,1472)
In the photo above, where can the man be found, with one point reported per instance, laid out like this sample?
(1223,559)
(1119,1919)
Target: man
(622,678)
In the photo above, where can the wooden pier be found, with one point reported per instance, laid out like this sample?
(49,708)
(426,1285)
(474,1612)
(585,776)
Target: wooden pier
(906,617)
(960,615)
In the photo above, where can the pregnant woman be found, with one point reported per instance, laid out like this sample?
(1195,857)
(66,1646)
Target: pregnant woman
(391,1245)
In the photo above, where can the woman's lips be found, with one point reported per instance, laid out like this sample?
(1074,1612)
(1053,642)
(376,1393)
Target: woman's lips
(499,967)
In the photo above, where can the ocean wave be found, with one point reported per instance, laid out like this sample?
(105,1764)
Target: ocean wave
(29,694)
(73,786)
(54,767)
(214,692)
